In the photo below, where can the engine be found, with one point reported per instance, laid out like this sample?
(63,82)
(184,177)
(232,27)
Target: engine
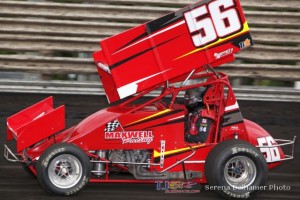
(129,158)
(138,163)
(136,156)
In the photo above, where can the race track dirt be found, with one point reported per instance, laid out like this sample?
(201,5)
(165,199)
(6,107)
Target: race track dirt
(282,120)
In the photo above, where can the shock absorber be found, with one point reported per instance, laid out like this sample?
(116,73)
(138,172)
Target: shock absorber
(99,168)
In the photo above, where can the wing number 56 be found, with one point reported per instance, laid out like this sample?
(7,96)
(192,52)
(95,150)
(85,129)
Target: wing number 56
(212,21)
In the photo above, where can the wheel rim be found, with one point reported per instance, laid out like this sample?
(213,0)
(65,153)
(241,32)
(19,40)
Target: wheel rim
(65,171)
(240,172)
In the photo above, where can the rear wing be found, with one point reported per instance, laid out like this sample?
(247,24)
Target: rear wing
(209,32)
(35,123)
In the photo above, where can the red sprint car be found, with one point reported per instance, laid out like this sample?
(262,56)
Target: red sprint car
(152,74)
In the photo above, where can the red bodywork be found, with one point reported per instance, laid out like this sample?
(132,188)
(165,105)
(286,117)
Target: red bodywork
(155,121)
(163,49)
(155,55)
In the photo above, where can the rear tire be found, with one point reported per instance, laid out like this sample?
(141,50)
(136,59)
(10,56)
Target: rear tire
(236,170)
(63,169)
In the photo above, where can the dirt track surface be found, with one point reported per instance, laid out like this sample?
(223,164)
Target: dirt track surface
(282,120)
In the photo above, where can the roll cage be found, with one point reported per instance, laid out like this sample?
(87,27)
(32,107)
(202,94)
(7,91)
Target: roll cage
(215,98)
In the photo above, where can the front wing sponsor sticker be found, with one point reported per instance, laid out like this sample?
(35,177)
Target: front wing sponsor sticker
(131,137)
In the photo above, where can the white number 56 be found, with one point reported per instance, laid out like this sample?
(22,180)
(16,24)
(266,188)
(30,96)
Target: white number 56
(271,153)
(209,22)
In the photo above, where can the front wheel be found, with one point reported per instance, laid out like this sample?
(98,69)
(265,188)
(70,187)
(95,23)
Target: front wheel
(236,170)
(63,169)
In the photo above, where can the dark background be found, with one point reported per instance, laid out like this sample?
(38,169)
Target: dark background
(281,119)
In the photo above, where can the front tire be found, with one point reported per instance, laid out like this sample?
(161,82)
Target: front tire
(63,169)
(236,170)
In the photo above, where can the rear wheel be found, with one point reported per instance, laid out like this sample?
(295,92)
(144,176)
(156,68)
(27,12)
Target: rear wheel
(63,169)
(236,170)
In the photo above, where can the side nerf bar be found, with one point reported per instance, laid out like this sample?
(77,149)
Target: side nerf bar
(280,143)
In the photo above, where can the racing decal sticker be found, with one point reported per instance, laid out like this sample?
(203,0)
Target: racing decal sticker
(246,43)
(224,53)
(232,107)
(181,120)
(171,153)
(131,88)
(271,153)
(140,53)
(156,116)
(131,137)
(231,118)
(236,150)
(111,126)
(206,28)
(219,41)
(234,128)
(243,41)
(163,24)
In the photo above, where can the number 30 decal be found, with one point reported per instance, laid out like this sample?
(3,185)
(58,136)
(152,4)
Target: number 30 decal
(271,154)
(209,22)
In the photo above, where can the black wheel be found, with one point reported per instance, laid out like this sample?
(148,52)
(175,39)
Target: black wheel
(236,170)
(63,169)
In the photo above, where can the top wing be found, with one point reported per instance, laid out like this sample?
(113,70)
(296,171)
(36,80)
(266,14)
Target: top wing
(208,32)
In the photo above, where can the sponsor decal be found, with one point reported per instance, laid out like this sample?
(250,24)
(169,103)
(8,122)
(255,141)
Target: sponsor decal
(238,196)
(236,150)
(246,43)
(111,126)
(224,53)
(203,126)
(131,137)
(234,128)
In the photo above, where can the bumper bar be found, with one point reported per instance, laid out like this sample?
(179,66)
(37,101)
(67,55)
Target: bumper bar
(281,143)
(10,156)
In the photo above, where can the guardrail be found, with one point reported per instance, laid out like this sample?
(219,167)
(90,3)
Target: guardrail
(94,88)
